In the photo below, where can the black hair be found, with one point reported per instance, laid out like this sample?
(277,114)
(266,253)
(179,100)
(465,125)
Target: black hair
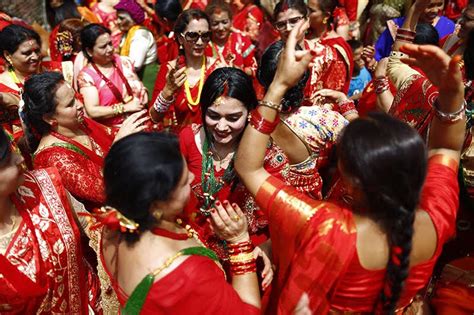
(5,145)
(39,97)
(469,56)
(426,34)
(140,169)
(233,83)
(65,11)
(387,160)
(266,72)
(328,7)
(284,5)
(185,18)
(219,6)
(168,9)
(12,36)
(355,44)
(89,35)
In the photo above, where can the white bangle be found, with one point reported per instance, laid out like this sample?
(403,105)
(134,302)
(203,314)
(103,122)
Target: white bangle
(450,117)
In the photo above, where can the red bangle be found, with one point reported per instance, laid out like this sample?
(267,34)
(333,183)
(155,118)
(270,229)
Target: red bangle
(261,124)
(405,31)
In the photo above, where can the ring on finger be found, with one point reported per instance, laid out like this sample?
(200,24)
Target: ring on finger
(235,218)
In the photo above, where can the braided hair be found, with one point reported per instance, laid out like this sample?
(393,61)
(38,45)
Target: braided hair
(388,159)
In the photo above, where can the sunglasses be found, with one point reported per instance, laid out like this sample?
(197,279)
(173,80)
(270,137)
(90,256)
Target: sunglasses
(281,25)
(193,37)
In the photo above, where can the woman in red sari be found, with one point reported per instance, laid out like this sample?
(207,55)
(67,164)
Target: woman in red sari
(179,83)
(229,48)
(42,269)
(20,47)
(388,242)
(61,137)
(321,16)
(156,265)
(248,18)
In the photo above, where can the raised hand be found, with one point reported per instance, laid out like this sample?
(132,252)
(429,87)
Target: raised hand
(175,79)
(293,63)
(134,123)
(442,70)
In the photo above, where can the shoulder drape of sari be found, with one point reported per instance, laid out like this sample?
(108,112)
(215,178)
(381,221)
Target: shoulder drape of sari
(413,103)
(80,168)
(45,253)
(312,243)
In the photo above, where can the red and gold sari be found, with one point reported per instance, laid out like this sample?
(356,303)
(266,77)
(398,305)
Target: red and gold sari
(43,270)
(314,246)
(79,166)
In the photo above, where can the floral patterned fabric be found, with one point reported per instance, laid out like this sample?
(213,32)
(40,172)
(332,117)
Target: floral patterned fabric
(43,270)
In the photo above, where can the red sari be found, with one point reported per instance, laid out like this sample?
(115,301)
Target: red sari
(196,286)
(413,103)
(43,270)
(181,113)
(275,160)
(249,20)
(340,75)
(317,253)
(238,52)
(9,118)
(80,167)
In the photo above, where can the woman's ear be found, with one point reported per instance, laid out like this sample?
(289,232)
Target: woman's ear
(50,119)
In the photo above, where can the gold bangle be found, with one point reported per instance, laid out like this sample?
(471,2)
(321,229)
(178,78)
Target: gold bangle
(241,257)
(271,105)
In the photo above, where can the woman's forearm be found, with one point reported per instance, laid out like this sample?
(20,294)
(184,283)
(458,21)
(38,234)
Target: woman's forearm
(252,148)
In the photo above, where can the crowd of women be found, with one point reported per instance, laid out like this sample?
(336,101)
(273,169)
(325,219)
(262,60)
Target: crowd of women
(236,157)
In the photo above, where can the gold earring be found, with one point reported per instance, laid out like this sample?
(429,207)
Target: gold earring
(9,60)
(157,214)
(325,20)
(180,46)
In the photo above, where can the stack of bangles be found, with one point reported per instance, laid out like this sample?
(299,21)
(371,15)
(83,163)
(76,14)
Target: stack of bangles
(450,117)
(345,107)
(260,123)
(119,109)
(381,85)
(161,105)
(405,35)
(241,258)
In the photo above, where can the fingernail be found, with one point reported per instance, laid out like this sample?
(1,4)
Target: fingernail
(234,205)
(218,203)
(226,202)
(263,275)
(213,210)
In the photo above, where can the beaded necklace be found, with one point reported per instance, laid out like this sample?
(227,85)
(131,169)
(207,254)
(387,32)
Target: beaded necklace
(210,184)
(187,90)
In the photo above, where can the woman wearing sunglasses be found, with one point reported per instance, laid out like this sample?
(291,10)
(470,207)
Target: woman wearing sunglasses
(326,71)
(179,83)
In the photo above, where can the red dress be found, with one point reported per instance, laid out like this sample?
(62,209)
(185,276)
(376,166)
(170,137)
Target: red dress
(9,118)
(80,167)
(257,221)
(196,286)
(181,113)
(340,75)
(238,52)
(249,20)
(317,254)
(43,270)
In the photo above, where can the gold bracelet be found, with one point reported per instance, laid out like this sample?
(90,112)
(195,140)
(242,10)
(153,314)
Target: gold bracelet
(241,257)
(271,105)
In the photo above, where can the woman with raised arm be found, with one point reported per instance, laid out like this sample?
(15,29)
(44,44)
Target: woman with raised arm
(376,255)
(157,265)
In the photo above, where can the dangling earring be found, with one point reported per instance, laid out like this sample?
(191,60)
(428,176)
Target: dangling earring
(180,46)
(325,20)
(157,214)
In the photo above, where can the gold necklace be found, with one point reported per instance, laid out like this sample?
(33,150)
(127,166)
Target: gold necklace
(187,89)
